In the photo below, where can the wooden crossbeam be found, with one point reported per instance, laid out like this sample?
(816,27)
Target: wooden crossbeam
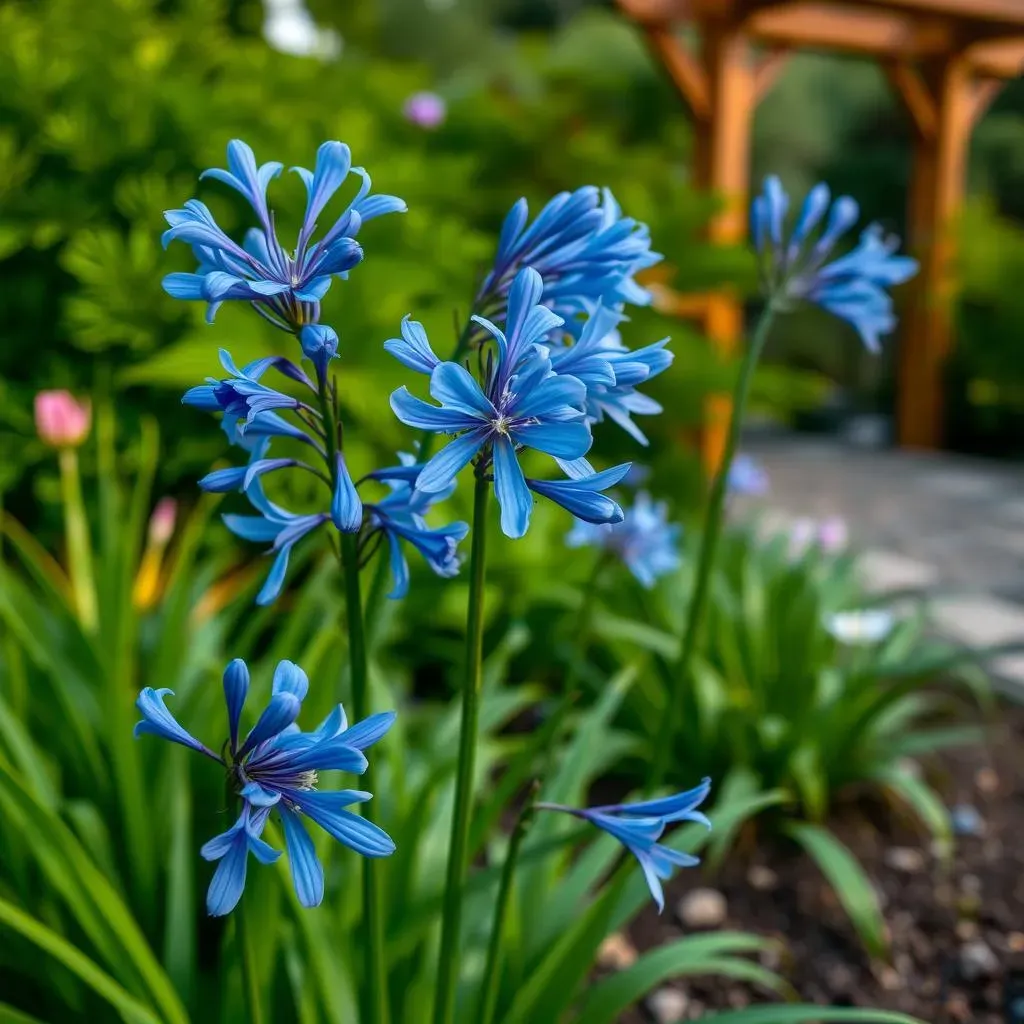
(684,68)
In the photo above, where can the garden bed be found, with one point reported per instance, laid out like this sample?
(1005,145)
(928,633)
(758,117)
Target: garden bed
(956,934)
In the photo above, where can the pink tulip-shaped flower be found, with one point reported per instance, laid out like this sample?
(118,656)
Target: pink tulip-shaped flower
(61,420)
(161,522)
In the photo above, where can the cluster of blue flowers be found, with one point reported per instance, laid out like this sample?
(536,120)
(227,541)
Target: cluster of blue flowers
(545,362)
(541,362)
(645,540)
(274,768)
(794,268)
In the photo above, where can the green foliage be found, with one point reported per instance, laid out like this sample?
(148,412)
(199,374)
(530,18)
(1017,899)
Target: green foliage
(101,885)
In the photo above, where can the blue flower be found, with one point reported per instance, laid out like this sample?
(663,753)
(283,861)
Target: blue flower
(581,245)
(275,767)
(520,403)
(244,396)
(275,526)
(852,287)
(283,286)
(747,476)
(644,540)
(400,518)
(611,371)
(639,827)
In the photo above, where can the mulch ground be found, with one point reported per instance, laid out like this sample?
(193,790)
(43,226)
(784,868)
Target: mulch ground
(957,933)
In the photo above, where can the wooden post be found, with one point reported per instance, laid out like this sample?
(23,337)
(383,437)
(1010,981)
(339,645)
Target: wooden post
(722,167)
(721,84)
(943,102)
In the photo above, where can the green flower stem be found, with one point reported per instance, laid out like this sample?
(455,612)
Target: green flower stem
(448,963)
(492,974)
(584,622)
(373,911)
(250,981)
(83,583)
(708,546)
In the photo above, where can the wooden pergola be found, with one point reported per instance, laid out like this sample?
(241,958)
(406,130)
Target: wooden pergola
(945,59)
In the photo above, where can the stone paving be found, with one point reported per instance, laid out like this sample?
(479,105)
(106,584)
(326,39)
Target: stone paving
(948,525)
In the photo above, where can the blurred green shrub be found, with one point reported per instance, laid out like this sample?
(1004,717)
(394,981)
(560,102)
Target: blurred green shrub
(985,374)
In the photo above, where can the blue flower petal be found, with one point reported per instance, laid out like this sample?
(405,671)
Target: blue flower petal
(282,710)
(456,390)
(236,688)
(350,829)
(158,720)
(365,733)
(307,871)
(563,440)
(442,469)
(346,508)
(511,490)
(289,678)
(414,412)
(413,348)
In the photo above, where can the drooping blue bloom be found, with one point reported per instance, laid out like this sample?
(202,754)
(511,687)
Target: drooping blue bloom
(853,287)
(400,518)
(581,245)
(245,397)
(520,402)
(747,476)
(275,526)
(275,767)
(285,286)
(639,827)
(645,540)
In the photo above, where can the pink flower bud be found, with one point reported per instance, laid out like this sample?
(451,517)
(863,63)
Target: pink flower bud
(832,534)
(425,109)
(161,522)
(61,420)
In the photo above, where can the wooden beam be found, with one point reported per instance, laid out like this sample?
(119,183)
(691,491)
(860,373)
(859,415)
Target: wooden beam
(911,87)
(767,71)
(831,26)
(937,187)
(1010,12)
(684,68)
(982,95)
(1000,59)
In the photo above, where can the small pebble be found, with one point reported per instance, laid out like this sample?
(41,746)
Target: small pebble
(967,820)
(904,858)
(667,1005)
(958,1008)
(1015,942)
(977,961)
(762,878)
(966,930)
(986,780)
(616,952)
(702,908)
(890,979)
(970,885)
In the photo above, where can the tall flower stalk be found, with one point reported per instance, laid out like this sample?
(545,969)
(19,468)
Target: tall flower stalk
(458,851)
(793,269)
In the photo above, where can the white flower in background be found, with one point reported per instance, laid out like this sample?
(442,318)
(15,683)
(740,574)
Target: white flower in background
(867,626)
(289,28)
